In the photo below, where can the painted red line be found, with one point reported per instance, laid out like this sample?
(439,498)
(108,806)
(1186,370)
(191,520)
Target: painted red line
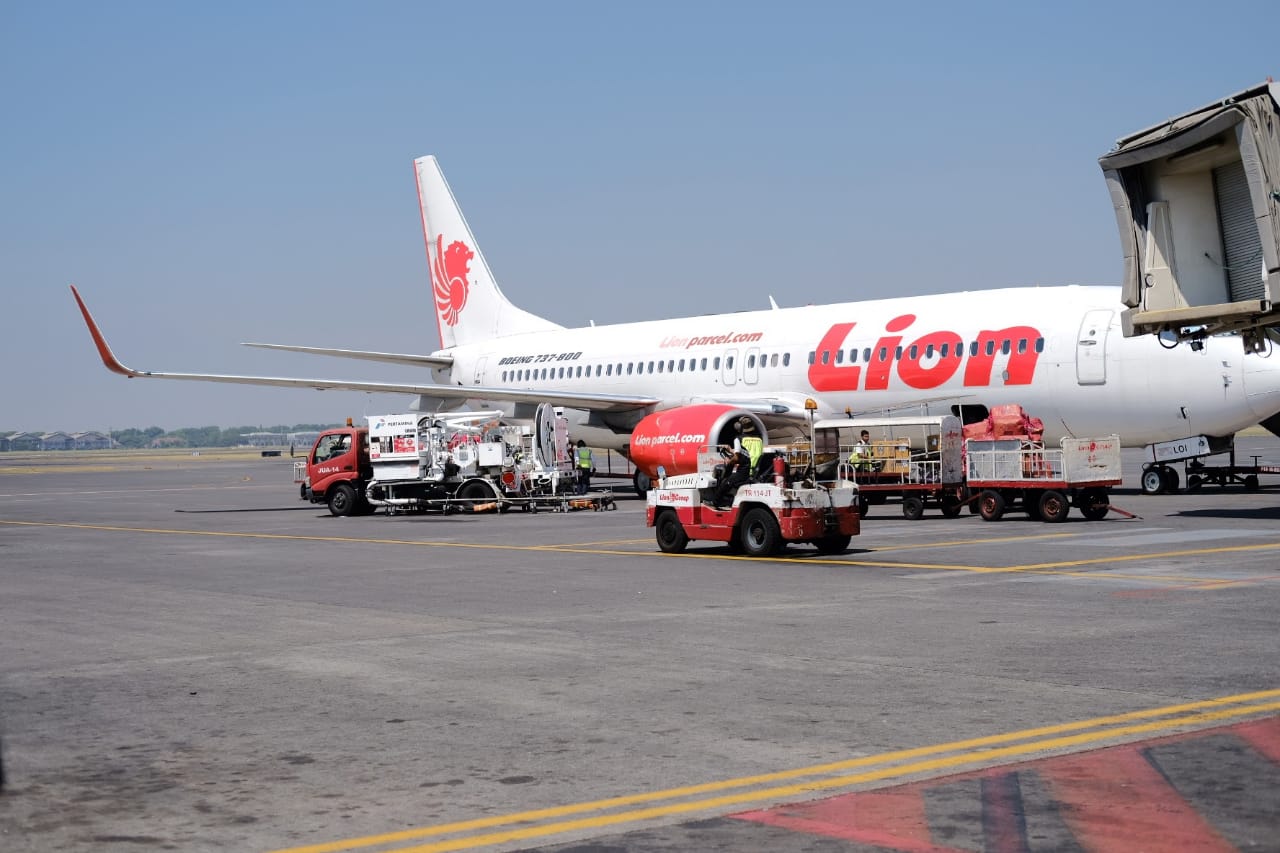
(1004,829)
(892,818)
(1263,736)
(1114,801)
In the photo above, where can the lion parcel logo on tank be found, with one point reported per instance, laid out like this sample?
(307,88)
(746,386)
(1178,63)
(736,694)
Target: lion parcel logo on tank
(672,438)
(449,278)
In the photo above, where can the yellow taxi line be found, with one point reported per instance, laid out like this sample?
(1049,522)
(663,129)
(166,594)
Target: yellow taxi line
(972,751)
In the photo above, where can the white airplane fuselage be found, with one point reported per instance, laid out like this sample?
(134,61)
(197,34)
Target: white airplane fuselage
(1056,351)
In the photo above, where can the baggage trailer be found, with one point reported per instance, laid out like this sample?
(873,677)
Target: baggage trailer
(1044,482)
(764,517)
(917,459)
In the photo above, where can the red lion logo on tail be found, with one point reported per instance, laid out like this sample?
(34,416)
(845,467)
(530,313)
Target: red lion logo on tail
(449,276)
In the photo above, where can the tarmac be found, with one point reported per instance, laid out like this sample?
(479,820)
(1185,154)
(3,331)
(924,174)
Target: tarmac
(194,659)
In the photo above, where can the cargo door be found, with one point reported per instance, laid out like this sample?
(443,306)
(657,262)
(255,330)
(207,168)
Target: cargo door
(729,368)
(1091,347)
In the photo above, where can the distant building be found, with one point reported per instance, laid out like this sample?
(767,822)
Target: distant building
(263,439)
(303,440)
(91,441)
(56,441)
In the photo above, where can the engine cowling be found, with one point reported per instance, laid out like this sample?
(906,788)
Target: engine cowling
(672,438)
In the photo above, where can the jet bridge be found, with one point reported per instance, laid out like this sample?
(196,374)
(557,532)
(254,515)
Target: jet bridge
(1197,202)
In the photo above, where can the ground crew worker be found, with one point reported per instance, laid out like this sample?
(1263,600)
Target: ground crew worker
(586,467)
(860,458)
(747,447)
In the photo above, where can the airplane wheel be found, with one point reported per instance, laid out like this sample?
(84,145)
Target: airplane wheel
(342,500)
(760,534)
(670,532)
(1094,504)
(990,505)
(1251,483)
(1153,482)
(912,507)
(1054,506)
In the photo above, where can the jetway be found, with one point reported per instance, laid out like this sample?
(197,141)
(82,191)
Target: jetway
(1197,202)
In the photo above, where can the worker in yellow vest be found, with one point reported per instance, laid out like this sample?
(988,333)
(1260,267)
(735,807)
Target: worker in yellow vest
(745,454)
(585,465)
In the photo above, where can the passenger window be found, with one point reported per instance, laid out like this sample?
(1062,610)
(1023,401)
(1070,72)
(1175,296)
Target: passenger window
(826,356)
(839,356)
(991,347)
(943,350)
(928,351)
(1039,344)
(715,364)
(728,362)
(751,361)
(973,348)
(812,356)
(866,354)
(915,352)
(1022,344)
(608,371)
(786,359)
(704,364)
(671,366)
(897,353)
(629,364)
(651,367)
(1005,346)
(884,353)
(773,362)
(659,367)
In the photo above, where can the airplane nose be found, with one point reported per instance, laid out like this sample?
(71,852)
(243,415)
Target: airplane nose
(1262,382)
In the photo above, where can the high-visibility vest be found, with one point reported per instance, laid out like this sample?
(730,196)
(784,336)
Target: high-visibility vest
(584,457)
(754,447)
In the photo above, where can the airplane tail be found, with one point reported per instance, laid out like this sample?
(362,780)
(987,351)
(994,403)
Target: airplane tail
(469,305)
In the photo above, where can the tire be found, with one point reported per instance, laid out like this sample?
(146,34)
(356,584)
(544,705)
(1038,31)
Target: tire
(670,533)
(476,490)
(912,507)
(990,505)
(1153,482)
(640,481)
(837,543)
(1170,479)
(1094,504)
(1251,483)
(1194,482)
(759,533)
(1054,506)
(342,500)
(951,505)
(864,506)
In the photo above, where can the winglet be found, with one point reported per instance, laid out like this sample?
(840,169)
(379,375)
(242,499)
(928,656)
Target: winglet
(108,357)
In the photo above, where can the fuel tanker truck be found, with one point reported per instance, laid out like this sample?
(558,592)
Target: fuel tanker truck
(671,440)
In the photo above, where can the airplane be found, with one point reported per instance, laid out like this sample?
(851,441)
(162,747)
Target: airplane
(642,388)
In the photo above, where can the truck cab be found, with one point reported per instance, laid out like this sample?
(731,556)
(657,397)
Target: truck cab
(338,469)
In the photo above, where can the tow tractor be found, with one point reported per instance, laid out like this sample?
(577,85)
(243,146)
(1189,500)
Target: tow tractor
(766,515)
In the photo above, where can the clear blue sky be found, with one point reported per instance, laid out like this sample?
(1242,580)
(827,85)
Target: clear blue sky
(223,172)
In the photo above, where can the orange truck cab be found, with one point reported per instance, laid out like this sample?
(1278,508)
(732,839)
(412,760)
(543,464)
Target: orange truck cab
(338,469)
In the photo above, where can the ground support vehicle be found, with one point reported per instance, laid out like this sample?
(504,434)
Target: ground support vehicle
(916,459)
(1044,482)
(466,461)
(763,518)
(1199,474)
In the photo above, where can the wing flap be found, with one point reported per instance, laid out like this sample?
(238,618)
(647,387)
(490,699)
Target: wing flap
(364,355)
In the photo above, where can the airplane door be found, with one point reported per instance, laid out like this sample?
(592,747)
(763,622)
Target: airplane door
(751,367)
(480,370)
(729,368)
(1091,347)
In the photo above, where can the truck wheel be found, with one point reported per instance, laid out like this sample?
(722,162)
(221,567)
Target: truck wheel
(912,507)
(475,490)
(760,534)
(1094,504)
(990,505)
(342,500)
(1054,506)
(864,506)
(1170,476)
(1251,483)
(1195,481)
(671,536)
(1153,482)
(837,543)
(951,505)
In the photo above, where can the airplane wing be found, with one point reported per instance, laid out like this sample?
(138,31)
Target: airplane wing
(574,400)
(386,357)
